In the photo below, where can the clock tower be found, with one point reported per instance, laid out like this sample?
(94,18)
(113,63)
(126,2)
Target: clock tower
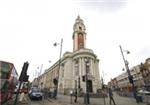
(79,34)
(75,68)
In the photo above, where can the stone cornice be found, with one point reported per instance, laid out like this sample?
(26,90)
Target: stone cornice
(84,51)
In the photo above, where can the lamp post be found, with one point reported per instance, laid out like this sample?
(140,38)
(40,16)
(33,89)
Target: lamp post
(103,86)
(57,80)
(38,75)
(87,97)
(130,77)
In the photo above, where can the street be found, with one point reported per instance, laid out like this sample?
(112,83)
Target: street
(66,100)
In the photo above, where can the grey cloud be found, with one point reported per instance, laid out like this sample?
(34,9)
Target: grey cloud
(103,5)
(145,51)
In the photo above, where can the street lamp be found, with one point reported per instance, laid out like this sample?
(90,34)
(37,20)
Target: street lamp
(130,77)
(103,87)
(103,91)
(56,80)
(87,97)
(40,70)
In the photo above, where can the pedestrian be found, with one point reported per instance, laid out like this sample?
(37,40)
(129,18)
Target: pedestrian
(44,93)
(55,93)
(22,97)
(71,92)
(75,95)
(111,96)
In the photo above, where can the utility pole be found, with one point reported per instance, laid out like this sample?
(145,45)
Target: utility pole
(23,77)
(87,97)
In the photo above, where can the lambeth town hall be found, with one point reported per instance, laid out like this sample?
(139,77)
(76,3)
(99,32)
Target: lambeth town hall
(74,69)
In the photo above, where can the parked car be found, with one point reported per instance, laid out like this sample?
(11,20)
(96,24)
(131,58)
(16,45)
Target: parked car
(145,92)
(144,95)
(35,93)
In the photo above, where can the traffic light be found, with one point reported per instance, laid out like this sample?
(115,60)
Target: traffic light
(79,82)
(23,74)
(83,78)
(130,79)
(55,81)
(25,78)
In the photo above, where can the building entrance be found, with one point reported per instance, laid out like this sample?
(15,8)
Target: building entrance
(90,86)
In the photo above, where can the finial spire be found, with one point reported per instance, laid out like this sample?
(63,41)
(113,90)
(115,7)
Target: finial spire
(79,20)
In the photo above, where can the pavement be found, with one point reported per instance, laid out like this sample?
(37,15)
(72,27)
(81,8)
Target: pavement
(98,101)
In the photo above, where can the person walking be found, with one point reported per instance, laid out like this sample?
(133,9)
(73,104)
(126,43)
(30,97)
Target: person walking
(22,97)
(75,95)
(111,96)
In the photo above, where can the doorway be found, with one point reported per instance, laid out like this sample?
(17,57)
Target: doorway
(90,86)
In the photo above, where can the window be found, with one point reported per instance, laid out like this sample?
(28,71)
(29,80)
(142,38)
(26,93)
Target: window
(63,70)
(5,70)
(76,68)
(80,28)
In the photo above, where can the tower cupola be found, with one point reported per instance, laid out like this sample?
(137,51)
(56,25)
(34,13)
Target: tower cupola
(79,25)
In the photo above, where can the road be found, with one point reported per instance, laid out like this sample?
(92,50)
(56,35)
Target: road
(66,100)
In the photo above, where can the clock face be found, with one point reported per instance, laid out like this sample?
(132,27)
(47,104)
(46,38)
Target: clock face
(79,27)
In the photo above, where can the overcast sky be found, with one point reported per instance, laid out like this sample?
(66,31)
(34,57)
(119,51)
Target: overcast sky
(28,29)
